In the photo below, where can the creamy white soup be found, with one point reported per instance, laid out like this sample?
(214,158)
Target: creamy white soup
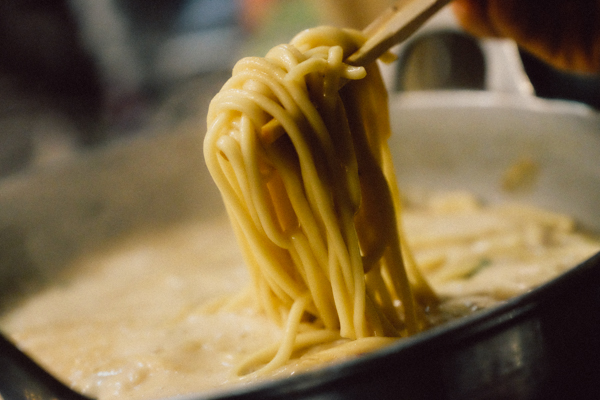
(169,313)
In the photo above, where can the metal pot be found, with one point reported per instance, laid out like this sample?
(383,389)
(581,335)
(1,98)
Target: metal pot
(540,345)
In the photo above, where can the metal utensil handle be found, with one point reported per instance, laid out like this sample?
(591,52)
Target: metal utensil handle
(505,71)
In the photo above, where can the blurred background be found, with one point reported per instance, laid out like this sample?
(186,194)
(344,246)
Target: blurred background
(78,74)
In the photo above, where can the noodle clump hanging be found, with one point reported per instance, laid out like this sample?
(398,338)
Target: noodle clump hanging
(297,144)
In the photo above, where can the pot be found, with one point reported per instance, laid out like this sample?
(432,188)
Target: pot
(539,345)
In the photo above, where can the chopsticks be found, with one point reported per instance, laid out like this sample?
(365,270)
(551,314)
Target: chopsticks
(394,26)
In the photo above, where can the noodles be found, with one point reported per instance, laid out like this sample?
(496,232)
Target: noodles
(297,146)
